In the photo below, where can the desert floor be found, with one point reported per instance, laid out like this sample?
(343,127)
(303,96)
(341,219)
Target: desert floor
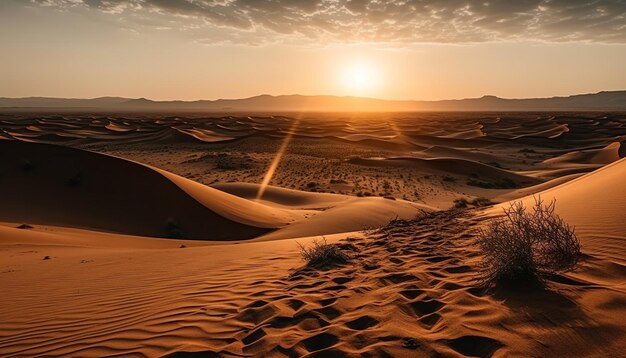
(147,235)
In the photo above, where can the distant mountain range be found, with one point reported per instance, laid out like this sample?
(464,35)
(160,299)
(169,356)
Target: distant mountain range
(601,101)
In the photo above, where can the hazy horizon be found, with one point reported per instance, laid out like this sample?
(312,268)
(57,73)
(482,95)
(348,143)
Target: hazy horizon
(313,95)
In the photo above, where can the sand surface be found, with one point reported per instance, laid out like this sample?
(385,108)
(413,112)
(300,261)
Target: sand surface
(146,236)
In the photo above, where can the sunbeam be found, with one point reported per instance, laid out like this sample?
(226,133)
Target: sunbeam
(279,154)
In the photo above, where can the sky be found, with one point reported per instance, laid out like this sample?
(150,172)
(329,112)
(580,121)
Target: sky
(409,49)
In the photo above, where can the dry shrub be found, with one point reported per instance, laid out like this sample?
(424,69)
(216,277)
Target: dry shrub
(526,245)
(322,254)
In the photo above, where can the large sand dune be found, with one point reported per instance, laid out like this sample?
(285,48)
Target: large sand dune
(67,187)
(61,186)
(595,204)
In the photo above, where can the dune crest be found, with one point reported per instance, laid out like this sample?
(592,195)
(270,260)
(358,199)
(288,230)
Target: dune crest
(592,204)
(602,156)
(62,186)
(68,187)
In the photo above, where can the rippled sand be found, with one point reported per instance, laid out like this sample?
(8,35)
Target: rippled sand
(111,245)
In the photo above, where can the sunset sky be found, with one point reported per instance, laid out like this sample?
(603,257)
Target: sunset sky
(208,49)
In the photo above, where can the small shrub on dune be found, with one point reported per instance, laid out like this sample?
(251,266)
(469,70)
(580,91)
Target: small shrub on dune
(460,203)
(477,202)
(525,245)
(504,183)
(481,201)
(322,254)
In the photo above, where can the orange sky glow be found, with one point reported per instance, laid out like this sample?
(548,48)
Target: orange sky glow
(191,50)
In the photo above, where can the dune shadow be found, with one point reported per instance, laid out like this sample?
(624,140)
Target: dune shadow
(541,302)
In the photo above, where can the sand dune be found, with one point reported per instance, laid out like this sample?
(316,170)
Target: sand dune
(402,297)
(93,275)
(286,197)
(446,152)
(60,239)
(594,204)
(111,307)
(68,187)
(606,155)
(425,130)
(340,213)
(354,215)
(451,165)
(536,189)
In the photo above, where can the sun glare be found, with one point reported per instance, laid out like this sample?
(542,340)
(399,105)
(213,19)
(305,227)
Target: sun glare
(360,79)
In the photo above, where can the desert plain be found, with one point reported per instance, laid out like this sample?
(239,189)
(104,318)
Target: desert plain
(179,235)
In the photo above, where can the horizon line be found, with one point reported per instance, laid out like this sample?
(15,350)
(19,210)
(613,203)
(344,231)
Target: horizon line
(315,95)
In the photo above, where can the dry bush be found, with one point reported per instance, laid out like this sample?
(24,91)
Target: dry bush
(477,202)
(460,203)
(525,245)
(481,201)
(322,254)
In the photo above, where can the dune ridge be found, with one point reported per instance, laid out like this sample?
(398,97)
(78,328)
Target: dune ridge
(68,187)
(62,186)
(594,204)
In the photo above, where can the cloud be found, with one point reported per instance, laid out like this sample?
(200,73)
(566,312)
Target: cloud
(404,21)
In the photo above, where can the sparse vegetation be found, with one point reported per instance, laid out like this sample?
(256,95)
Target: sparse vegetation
(224,162)
(322,254)
(338,181)
(481,201)
(504,183)
(386,185)
(460,203)
(464,203)
(526,245)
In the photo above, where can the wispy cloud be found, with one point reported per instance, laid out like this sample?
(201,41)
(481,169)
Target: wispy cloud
(408,21)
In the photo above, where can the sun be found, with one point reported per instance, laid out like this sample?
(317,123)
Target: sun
(360,78)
